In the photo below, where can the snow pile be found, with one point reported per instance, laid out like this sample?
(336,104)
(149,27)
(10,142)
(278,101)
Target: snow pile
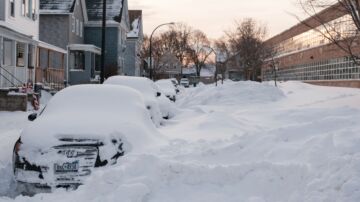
(241,141)
(167,87)
(159,106)
(135,28)
(232,93)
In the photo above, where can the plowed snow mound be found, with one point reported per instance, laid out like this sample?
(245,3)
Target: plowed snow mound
(232,93)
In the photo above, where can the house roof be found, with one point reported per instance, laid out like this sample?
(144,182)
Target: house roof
(135,17)
(65,6)
(113,10)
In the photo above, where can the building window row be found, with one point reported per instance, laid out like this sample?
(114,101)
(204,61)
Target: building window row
(342,27)
(334,69)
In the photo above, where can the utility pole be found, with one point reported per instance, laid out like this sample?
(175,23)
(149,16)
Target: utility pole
(103,47)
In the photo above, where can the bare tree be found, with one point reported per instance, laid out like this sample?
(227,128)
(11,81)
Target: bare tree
(222,57)
(247,41)
(199,51)
(344,32)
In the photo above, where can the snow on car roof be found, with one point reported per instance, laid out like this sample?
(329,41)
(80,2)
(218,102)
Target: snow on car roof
(142,84)
(92,111)
(166,86)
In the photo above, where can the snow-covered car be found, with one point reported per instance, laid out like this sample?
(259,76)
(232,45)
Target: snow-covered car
(81,129)
(185,82)
(158,105)
(175,82)
(168,88)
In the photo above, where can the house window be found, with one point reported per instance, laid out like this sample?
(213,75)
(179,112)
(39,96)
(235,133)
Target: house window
(77,27)
(77,60)
(28,9)
(73,24)
(33,11)
(81,29)
(23,7)
(7,52)
(20,55)
(12,8)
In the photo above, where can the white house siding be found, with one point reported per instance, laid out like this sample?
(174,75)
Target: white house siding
(21,23)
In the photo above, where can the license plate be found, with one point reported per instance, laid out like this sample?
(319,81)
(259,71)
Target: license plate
(68,167)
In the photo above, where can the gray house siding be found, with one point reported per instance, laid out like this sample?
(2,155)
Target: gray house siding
(77,15)
(84,76)
(2,10)
(93,36)
(130,60)
(54,30)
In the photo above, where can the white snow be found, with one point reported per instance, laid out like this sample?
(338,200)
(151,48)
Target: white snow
(236,142)
(135,28)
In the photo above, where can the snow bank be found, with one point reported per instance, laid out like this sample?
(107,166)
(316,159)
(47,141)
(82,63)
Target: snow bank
(242,142)
(232,93)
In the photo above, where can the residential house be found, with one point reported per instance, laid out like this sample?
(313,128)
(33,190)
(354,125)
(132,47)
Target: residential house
(117,27)
(234,69)
(169,67)
(62,24)
(18,40)
(133,45)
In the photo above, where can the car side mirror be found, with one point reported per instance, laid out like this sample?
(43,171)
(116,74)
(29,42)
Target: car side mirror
(158,94)
(32,116)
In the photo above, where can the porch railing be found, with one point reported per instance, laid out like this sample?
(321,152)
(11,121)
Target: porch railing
(51,77)
(13,76)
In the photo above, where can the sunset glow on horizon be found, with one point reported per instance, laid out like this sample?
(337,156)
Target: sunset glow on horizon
(214,17)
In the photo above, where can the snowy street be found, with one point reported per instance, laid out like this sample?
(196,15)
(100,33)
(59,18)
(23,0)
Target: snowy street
(241,141)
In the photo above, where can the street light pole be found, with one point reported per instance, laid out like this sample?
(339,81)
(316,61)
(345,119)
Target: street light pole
(151,73)
(103,47)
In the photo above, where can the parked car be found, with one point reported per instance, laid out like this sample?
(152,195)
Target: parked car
(185,82)
(168,88)
(158,105)
(81,129)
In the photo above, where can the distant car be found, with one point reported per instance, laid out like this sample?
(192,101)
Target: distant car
(157,103)
(185,82)
(168,88)
(82,128)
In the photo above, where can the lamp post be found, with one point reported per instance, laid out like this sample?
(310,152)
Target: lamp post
(151,75)
(103,31)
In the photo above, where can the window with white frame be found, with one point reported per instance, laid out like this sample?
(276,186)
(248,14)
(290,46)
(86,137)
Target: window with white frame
(77,27)
(81,29)
(28,9)
(23,7)
(7,52)
(12,8)
(73,24)
(20,55)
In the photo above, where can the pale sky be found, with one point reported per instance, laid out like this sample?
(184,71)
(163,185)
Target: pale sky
(215,16)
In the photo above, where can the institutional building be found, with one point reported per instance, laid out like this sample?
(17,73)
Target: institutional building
(304,54)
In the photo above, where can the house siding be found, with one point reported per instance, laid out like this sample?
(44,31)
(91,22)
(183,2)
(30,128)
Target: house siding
(54,29)
(74,37)
(2,10)
(93,36)
(82,77)
(130,58)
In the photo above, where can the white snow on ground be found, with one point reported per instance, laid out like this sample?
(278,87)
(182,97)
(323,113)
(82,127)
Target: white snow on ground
(237,142)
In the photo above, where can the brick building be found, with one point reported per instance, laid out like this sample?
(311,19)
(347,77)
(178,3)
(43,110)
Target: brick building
(303,54)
